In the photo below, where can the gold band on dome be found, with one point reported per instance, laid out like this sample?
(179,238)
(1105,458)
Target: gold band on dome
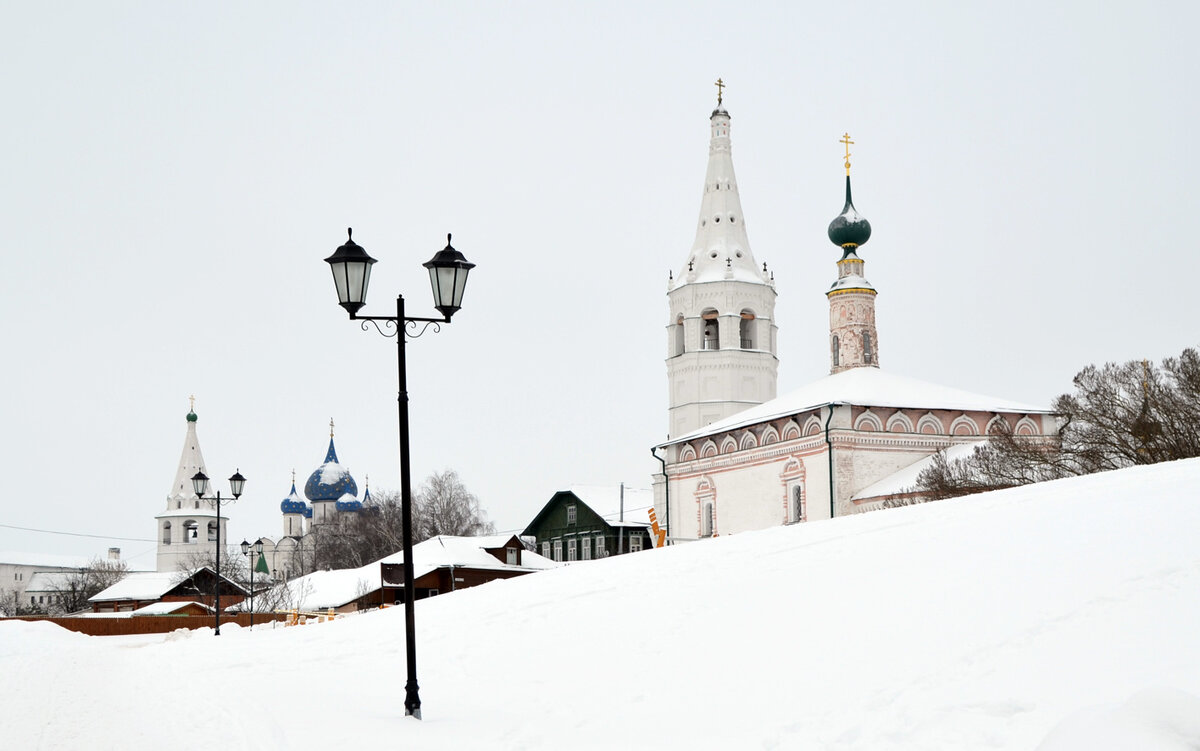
(833,292)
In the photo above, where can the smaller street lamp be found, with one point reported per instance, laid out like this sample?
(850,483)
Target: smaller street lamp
(200,485)
(258,548)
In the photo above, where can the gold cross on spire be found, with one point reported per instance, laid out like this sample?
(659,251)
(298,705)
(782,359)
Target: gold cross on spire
(846,140)
(293,476)
(192,403)
(331,427)
(720,84)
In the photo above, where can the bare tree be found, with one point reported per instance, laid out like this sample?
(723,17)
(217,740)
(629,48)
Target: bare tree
(1118,416)
(11,604)
(442,506)
(73,589)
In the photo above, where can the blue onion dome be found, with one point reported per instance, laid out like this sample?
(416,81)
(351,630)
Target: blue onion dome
(293,504)
(308,512)
(849,229)
(330,481)
(349,503)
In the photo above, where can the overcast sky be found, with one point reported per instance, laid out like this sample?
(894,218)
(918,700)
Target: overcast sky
(175,173)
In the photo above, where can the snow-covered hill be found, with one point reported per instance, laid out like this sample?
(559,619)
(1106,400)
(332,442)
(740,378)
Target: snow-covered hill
(1065,616)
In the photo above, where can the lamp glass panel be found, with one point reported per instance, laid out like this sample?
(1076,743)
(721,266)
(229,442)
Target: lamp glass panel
(357,275)
(339,281)
(444,287)
(460,286)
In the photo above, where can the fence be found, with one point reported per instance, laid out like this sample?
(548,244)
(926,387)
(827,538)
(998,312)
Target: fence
(148,624)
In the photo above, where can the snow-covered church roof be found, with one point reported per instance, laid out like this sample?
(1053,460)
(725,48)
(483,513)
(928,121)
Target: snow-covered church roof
(866,387)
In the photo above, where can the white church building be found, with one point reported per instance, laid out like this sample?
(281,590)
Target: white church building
(188,528)
(740,458)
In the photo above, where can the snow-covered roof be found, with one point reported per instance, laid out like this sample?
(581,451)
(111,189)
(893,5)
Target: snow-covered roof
(851,281)
(333,589)
(906,478)
(166,608)
(49,560)
(142,585)
(150,585)
(445,550)
(866,387)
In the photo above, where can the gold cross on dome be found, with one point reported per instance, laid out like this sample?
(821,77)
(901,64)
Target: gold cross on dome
(846,140)
(720,90)
(192,403)
(331,427)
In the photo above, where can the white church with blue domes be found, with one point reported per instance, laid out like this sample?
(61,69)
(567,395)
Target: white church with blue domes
(188,527)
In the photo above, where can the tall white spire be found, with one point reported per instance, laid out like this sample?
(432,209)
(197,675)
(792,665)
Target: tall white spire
(721,250)
(721,335)
(191,461)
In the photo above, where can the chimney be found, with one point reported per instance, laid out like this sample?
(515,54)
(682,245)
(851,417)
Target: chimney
(114,554)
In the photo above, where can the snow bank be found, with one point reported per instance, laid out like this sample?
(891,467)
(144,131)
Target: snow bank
(999,621)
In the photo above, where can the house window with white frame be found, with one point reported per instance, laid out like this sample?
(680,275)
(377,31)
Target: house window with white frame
(571,549)
(635,542)
(558,550)
(600,546)
(585,548)
(572,514)
(545,550)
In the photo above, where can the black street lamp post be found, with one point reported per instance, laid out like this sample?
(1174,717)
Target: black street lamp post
(200,485)
(258,548)
(448,271)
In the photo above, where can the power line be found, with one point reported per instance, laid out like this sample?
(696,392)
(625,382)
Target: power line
(76,534)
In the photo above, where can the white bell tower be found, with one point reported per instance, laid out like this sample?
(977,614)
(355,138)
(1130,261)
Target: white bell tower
(187,530)
(721,334)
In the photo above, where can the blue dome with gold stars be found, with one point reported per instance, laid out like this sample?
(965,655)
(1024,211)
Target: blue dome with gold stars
(293,504)
(330,481)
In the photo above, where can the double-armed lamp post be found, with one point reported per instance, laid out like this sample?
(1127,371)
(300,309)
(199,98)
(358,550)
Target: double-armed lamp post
(448,271)
(200,485)
(258,548)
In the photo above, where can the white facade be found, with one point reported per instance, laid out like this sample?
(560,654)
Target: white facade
(738,458)
(187,531)
(721,332)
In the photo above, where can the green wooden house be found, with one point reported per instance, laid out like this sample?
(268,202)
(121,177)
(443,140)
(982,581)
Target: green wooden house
(589,522)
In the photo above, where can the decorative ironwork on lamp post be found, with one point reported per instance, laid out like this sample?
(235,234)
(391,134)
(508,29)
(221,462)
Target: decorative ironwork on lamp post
(200,485)
(448,271)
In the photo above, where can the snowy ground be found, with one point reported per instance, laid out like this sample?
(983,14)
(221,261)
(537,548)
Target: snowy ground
(1061,616)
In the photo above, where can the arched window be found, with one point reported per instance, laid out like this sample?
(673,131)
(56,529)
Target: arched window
(866,346)
(166,538)
(836,358)
(212,531)
(677,332)
(746,329)
(191,531)
(706,518)
(797,507)
(712,330)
